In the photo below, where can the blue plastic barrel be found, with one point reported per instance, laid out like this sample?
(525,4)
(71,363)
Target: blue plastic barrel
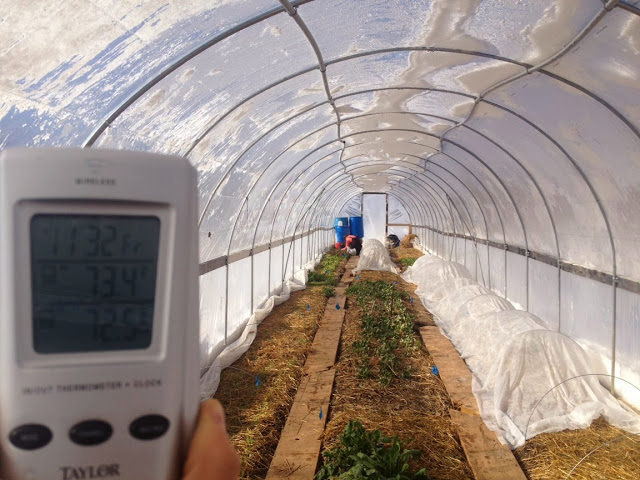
(356,226)
(341,226)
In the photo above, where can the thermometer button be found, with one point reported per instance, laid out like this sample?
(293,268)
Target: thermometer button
(149,427)
(30,436)
(90,432)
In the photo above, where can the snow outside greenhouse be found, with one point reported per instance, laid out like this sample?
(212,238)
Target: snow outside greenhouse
(503,135)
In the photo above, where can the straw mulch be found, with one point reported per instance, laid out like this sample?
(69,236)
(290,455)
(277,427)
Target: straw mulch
(258,390)
(600,452)
(415,409)
(405,252)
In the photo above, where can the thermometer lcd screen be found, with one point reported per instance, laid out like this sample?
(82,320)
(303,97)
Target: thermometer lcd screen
(93,281)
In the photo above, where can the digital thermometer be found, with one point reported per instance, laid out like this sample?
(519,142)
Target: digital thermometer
(99,325)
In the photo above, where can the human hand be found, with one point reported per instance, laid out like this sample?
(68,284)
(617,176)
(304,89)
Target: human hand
(211,455)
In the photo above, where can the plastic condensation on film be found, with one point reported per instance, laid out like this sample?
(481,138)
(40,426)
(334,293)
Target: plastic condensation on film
(175,111)
(354,27)
(605,71)
(79,82)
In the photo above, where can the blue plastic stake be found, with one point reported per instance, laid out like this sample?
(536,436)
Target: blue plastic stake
(326,271)
(258,381)
(320,414)
(308,307)
(357,277)
(411,300)
(435,370)
(337,306)
(395,283)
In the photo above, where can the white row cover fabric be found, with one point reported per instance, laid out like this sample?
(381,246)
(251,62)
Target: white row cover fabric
(527,379)
(374,256)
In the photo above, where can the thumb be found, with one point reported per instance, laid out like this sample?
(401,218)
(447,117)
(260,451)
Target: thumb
(211,455)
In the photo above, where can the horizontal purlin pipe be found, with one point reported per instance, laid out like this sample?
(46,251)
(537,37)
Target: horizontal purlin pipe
(592,274)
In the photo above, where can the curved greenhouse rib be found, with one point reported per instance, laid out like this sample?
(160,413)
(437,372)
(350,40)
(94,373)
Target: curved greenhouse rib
(472,231)
(484,218)
(293,12)
(609,5)
(320,173)
(353,134)
(327,126)
(473,155)
(333,199)
(436,202)
(324,186)
(413,180)
(552,75)
(628,7)
(137,94)
(295,201)
(177,64)
(495,105)
(493,142)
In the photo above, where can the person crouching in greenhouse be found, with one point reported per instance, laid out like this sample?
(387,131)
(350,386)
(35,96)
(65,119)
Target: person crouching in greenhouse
(353,245)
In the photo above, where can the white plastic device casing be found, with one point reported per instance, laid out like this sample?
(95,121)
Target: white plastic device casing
(117,387)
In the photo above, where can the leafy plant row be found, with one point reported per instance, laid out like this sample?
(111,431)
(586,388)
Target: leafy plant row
(407,262)
(325,272)
(368,454)
(387,337)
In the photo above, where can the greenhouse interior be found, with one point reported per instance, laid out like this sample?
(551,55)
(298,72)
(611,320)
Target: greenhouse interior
(499,140)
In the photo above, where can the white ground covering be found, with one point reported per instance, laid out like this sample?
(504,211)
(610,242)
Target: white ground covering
(374,256)
(527,379)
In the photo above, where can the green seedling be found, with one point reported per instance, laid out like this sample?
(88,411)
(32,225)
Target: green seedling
(368,454)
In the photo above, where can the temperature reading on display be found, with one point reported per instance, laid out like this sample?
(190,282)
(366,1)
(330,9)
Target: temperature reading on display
(93,281)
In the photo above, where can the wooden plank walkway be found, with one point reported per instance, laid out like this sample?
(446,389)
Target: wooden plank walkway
(296,456)
(487,457)
(453,371)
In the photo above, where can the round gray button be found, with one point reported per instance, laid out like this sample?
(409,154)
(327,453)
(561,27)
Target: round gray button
(149,427)
(30,436)
(90,432)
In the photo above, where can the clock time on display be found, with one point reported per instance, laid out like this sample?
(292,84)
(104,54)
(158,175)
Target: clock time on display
(93,281)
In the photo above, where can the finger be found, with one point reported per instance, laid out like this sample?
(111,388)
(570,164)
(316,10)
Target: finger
(211,455)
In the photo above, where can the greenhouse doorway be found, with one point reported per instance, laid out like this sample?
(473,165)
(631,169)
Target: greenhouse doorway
(375,208)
